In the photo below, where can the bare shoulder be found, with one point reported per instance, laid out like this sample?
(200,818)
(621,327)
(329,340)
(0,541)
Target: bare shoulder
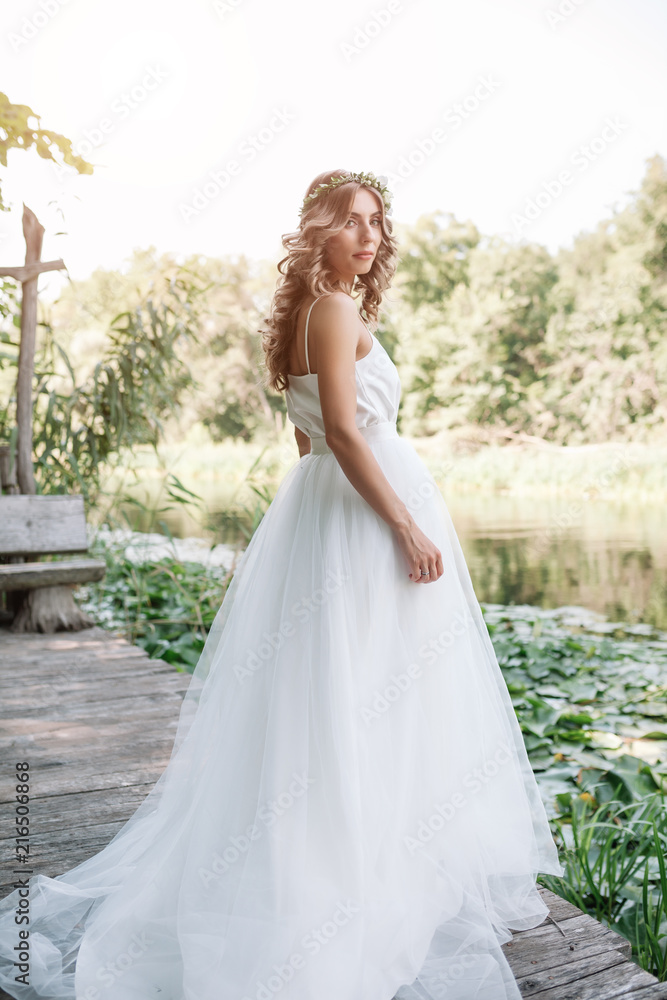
(335,332)
(337,307)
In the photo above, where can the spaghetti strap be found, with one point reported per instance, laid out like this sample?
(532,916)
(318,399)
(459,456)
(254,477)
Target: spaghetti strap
(305,336)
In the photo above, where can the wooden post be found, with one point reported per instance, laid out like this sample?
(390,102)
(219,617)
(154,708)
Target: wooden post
(8,482)
(28,275)
(35,610)
(33,232)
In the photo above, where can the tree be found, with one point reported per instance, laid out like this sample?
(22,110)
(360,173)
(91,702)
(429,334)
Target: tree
(507,340)
(84,425)
(20,128)
(476,321)
(224,351)
(607,335)
(434,256)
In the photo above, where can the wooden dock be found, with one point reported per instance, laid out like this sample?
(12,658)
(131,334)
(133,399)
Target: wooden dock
(96,720)
(571,956)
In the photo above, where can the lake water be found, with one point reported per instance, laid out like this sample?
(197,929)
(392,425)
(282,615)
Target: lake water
(610,557)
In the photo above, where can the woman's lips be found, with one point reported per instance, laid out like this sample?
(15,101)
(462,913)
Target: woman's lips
(364,253)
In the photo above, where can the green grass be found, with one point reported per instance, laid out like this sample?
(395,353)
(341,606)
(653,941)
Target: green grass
(606,471)
(166,607)
(615,869)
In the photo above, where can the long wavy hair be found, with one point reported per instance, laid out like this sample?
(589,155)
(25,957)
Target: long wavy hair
(304,271)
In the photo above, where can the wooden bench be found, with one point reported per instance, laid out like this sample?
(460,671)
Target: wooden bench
(45,525)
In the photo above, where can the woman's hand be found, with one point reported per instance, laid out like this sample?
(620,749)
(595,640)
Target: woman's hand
(420,554)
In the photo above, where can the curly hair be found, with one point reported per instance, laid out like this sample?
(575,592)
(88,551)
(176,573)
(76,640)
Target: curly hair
(304,271)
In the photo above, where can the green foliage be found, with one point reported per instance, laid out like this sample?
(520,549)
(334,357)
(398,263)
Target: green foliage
(82,427)
(166,607)
(493,341)
(580,698)
(615,869)
(434,258)
(483,358)
(239,519)
(20,129)
(9,352)
(506,338)
(579,695)
(224,352)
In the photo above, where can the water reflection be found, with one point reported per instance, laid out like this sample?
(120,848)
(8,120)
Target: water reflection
(610,557)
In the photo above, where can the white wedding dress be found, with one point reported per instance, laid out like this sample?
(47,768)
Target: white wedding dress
(349,812)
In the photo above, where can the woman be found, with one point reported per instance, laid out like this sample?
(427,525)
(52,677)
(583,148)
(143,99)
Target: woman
(351,242)
(349,812)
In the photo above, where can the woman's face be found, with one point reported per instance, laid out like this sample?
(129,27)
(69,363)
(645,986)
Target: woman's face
(352,250)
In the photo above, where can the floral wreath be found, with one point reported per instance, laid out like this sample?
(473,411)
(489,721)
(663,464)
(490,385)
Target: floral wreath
(369,179)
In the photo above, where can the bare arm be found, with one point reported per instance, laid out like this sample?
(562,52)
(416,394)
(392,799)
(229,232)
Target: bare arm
(335,330)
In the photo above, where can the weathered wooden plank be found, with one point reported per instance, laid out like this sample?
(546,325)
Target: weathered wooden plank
(41,524)
(87,808)
(606,977)
(73,674)
(41,667)
(587,961)
(657,991)
(63,674)
(559,908)
(102,784)
(75,735)
(96,718)
(94,696)
(29,575)
(584,937)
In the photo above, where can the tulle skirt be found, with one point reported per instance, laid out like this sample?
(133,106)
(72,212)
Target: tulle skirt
(349,812)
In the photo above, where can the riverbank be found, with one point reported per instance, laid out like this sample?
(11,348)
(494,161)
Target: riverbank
(610,471)
(595,534)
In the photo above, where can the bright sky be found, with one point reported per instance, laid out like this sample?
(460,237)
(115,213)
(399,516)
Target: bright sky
(471,108)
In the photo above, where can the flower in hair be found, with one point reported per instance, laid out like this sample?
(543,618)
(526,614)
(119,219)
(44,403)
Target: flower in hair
(369,179)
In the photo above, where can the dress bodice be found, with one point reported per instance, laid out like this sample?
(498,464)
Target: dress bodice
(378,392)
